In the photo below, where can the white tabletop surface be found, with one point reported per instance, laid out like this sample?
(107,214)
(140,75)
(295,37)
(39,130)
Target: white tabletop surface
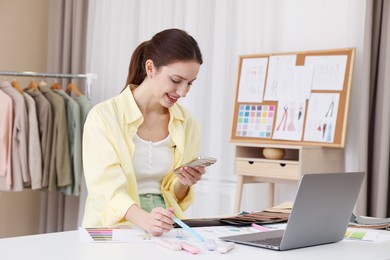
(67,245)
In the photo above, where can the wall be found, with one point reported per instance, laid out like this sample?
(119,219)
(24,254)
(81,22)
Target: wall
(23,27)
(270,27)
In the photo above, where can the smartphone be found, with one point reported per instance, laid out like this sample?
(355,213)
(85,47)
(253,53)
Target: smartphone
(198,161)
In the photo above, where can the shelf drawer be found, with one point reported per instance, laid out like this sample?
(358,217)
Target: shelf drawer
(271,169)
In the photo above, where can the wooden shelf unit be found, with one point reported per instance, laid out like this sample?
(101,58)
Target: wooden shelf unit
(252,167)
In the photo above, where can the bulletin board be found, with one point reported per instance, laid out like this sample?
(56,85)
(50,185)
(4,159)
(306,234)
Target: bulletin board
(295,98)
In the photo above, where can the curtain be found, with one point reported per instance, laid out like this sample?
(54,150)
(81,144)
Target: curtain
(66,54)
(67,39)
(224,30)
(378,194)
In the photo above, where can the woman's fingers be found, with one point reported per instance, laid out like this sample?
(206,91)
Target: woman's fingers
(190,176)
(160,221)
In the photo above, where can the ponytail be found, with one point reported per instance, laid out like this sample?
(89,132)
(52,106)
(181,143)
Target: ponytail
(137,71)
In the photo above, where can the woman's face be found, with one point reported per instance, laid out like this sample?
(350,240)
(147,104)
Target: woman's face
(173,81)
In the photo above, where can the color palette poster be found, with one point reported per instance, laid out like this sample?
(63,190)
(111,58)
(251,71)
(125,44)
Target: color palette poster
(255,121)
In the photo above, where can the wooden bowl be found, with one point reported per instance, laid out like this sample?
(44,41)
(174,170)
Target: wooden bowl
(274,153)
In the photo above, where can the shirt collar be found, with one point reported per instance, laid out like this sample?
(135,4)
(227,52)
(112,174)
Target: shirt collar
(131,111)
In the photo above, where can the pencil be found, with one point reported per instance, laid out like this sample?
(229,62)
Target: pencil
(190,230)
(260,228)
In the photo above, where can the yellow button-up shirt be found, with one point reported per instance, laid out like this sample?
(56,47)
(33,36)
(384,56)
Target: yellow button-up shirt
(108,150)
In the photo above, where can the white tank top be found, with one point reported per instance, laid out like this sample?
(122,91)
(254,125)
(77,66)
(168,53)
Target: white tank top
(152,161)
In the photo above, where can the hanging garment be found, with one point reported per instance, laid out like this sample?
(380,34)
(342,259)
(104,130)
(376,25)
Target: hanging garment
(60,170)
(6,122)
(34,144)
(19,156)
(45,125)
(85,106)
(74,138)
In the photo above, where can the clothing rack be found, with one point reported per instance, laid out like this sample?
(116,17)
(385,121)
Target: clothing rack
(89,77)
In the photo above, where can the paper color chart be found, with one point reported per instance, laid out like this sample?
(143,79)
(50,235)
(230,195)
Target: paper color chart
(100,234)
(255,121)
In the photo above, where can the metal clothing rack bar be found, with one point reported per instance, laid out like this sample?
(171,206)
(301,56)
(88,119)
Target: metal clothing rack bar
(88,76)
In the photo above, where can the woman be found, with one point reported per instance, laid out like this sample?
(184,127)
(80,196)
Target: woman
(133,141)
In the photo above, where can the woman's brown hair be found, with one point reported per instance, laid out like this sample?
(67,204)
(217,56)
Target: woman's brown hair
(165,47)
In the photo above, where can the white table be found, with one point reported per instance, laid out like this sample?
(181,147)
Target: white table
(67,245)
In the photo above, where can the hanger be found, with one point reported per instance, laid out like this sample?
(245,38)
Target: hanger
(42,83)
(56,85)
(72,87)
(17,86)
(32,85)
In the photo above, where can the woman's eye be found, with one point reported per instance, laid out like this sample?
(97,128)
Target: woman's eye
(175,81)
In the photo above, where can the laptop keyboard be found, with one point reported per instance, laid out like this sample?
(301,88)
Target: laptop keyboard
(269,241)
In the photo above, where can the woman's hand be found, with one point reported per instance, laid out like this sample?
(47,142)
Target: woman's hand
(157,222)
(189,176)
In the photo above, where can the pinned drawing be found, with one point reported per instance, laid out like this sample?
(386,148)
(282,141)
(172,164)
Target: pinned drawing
(252,79)
(280,75)
(289,121)
(301,84)
(329,71)
(321,117)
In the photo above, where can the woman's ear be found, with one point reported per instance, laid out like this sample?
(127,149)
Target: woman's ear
(149,68)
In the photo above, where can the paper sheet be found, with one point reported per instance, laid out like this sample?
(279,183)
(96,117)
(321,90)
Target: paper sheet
(366,235)
(138,235)
(252,80)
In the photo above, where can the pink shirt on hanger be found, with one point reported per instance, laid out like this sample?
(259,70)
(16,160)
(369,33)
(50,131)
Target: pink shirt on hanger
(6,121)
(19,157)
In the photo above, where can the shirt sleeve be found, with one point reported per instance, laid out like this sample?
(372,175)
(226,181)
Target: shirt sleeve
(170,198)
(107,184)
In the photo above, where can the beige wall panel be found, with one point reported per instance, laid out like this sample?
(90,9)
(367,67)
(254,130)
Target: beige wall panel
(23,45)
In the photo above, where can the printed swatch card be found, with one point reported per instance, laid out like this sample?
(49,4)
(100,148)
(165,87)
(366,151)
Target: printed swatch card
(255,121)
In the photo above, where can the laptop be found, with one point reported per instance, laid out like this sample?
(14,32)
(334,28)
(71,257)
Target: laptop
(321,212)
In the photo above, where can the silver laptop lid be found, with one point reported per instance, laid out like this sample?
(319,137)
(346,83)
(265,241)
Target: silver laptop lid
(322,209)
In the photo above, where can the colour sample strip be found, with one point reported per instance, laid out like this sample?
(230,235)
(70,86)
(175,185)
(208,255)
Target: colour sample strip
(359,235)
(255,121)
(100,234)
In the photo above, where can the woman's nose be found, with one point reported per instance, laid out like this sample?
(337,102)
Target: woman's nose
(182,90)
